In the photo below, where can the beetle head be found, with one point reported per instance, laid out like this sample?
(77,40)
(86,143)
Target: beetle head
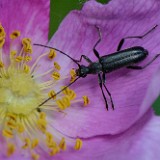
(82,71)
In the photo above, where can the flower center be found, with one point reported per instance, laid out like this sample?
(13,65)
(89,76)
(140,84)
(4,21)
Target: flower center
(26,99)
(19,93)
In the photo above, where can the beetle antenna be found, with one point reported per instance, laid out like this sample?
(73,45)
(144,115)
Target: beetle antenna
(74,60)
(59,92)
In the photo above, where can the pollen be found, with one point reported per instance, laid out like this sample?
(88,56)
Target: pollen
(62,144)
(20,128)
(57,66)
(78,144)
(35,156)
(27,58)
(2,32)
(10,149)
(7,133)
(1,64)
(73,75)
(14,34)
(52,94)
(28,98)
(26,68)
(19,58)
(56,76)
(35,143)
(27,47)
(70,93)
(13,53)
(52,54)
(86,100)
(2,41)
(27,143)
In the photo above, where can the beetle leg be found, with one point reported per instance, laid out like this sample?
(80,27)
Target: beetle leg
(100,84)
(85,57)
(103,81)
(142,67)
(130,37)
(98,41)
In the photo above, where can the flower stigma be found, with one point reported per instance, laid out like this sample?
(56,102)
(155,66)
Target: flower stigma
(25,124)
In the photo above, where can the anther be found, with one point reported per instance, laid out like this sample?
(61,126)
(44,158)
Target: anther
(78,144)
(56,75)
(52,54)
(85,100)
(14,34)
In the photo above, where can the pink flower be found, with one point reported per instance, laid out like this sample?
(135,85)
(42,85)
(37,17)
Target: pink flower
(26,83)
(33,126)
(131,130)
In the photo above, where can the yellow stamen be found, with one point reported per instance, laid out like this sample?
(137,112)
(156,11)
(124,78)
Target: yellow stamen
(2,41)
(57,66)
(14,34)
(42,115)
(13,53)
(49,137)
(70,93)
(52,94)
(27,45)
(60,104)
(51,144)
(52,54)
(63,103)
(72,73)
(34,143)
(66,101)
(72,79)
(2,32)
(27,58)
(20,128)
(62,144)
(66,91)
(1,64)
(24,107)
(11,124)
(42,124)
(26,69)
(78,144)
(27,143)
(10,149)
(35,156)
(56,75)
(12,116)
(54,151)
(86,100)
(7,133)
(19,58)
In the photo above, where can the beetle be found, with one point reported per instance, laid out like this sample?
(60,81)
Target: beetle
(109,63)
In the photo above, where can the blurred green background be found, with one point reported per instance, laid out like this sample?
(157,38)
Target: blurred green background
(59,9)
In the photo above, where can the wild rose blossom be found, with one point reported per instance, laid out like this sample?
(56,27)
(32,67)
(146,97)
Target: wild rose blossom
(25,85)
(129,132)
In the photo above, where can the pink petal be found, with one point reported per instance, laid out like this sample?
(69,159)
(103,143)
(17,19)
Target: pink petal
(132,91)
(29,17)
(140,142)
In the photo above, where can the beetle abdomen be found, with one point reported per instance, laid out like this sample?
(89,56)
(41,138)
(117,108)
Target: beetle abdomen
(123,58)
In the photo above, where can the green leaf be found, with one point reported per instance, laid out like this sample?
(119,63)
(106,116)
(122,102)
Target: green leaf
(59,9)
(156,106)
